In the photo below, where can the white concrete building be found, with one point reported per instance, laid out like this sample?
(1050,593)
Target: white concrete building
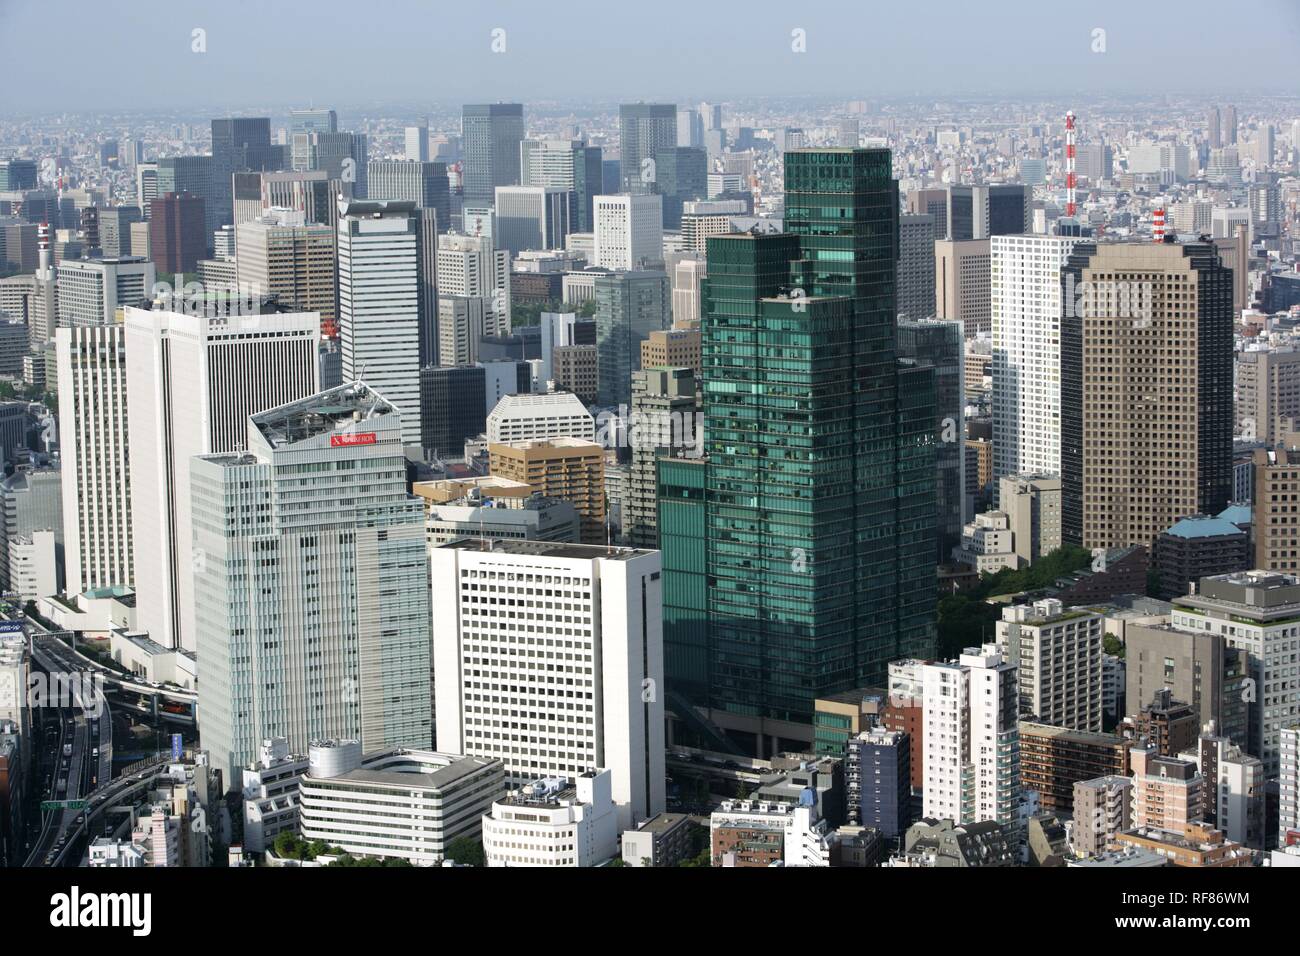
(469,266)
(553,822)
(971,761)
(270,793)
(195,379)
(1288,780)
(1026,306)
(379,302)
(1059,658)
(530,417)
(95,291)
(1234,788)
(105,853)
(629,231)
(33,565)
(568,678)
(404,804)
(93,445)
(988,544)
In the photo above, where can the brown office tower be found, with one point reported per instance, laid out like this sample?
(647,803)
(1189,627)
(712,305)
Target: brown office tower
(1054,759)
(177,235)
(1146,390)
(1276,520)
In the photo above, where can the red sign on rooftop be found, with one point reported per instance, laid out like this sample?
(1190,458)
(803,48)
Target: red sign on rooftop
(352,438)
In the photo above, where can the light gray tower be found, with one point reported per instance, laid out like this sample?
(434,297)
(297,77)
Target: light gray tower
(314,608)
(379,302)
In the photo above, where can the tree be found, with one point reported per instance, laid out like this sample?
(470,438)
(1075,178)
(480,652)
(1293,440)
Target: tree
(288,846)
(1112,645)
(466,852)
(587,309)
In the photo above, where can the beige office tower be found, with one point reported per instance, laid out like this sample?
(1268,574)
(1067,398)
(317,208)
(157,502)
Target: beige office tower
(281,254)
(569,468)
(962,289)
(1146,390)
(1032,504)
(140,245)
(1268,392)
(574,369)
(1276,525)
(672,348)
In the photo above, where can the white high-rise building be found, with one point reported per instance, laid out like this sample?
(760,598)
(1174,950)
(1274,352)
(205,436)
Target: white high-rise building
(313,608)
(629,231)
(194,380)
(468,266)
(94,291)
(1026,306)
(567,678)
(1289,780)
(972,738)
(94,449)
(688,279)
(379,302)
(530,417)
(417,143)
(1059,659)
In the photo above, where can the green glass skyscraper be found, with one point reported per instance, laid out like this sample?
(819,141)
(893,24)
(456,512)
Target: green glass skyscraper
(819,499)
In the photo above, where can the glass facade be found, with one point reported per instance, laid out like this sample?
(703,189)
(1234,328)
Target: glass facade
(819,506)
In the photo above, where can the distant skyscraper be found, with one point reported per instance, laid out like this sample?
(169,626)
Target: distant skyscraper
(1027,314)
(94,449)
(681,175)
(313,120)
(94,291)
(194,380)
(417,144)
(470,266)
(644,130)
(565,164)
(177,235)
(961,283)
(239,144)
(916,266)
(422,183)
(491,134)
(629,306)
(342,156)
(1146,390)
(533,217)
(195,175)
(379,302)
(1230,126)
(17,174)
(1214,128)
(281,254)
(629,231)
(312,526)
(939,344)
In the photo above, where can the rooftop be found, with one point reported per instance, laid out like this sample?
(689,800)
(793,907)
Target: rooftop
(1204,526)
(547,549)
(328,411)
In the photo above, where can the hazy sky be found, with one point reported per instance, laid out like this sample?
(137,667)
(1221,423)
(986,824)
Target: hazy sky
(98,54)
